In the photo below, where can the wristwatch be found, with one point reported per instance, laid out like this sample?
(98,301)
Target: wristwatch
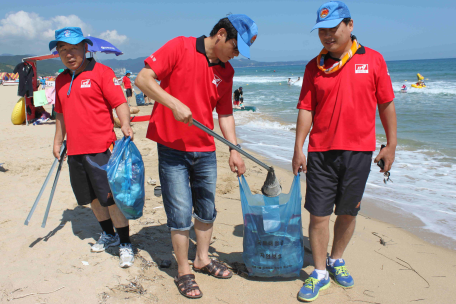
(238,145)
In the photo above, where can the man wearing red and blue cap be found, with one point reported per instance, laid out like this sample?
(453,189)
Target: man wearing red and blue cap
(341,90)
(196,77)
(86,93)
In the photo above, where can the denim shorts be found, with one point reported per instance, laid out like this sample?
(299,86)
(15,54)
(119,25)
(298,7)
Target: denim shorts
(188,182)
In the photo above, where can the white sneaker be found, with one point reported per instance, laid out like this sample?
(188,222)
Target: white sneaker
(126,255)
(106,241)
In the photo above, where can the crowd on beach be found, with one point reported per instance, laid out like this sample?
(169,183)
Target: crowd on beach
(342,88)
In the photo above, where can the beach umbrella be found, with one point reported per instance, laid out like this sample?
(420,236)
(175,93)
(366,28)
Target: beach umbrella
(101,46)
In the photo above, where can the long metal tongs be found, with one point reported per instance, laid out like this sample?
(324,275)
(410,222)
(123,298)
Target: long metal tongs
(62,156)
(271,185)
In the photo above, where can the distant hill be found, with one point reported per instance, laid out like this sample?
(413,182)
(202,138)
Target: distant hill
(6,68)
(245,63)
(49,67)
(45,67)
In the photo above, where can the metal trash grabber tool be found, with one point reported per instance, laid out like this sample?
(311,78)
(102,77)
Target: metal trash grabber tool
(271,185)
(62,154)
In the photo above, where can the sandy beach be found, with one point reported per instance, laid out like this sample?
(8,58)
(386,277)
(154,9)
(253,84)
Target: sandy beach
(55,265)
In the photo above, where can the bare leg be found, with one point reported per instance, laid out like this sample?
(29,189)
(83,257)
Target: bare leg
(343,231)
(180,246)
(118,219)
(101,213)
(319,239)
(203,233)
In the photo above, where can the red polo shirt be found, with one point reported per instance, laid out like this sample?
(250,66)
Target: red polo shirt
(186,73)
(88,110)
(127,82)
(345,101)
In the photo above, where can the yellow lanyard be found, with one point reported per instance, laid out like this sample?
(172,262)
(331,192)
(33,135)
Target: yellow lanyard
(338,65)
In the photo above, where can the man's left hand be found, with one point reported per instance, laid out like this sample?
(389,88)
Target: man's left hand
(127,131)
(388,155)
(236,163)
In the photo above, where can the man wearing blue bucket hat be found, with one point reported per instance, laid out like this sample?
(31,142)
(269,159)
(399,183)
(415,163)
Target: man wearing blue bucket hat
(341,90)
(196,77)
(86,93)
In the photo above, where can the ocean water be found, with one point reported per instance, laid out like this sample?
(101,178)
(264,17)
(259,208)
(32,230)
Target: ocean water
(424,175)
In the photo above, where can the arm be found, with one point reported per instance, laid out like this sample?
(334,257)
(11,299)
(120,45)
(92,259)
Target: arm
(145,81)
(305,119)
(387,113)
(227,126)
(60,132)
(123,112)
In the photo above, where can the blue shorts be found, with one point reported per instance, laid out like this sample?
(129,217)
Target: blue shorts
(188,182)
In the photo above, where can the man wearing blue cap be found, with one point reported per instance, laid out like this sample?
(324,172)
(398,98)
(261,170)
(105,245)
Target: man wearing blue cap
(342,88)
(196,77)
(86,93)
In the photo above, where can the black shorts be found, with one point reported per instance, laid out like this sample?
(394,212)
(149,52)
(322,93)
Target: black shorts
(89,182)
(337,178)
(129,92)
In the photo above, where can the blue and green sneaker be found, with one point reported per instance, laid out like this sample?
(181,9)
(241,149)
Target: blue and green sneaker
(340,273)
(312,286)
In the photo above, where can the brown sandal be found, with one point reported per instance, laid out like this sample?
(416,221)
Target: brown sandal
(211,269)
(187,282)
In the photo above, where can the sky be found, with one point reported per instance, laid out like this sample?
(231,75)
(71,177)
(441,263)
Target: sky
(400,30)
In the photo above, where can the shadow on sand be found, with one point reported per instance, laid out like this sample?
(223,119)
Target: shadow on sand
(83,223)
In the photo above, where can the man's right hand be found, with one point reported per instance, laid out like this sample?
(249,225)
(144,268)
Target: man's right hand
(56,151)
(183,114)
(299,162)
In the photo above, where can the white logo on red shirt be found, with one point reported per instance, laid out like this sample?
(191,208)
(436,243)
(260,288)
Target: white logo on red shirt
(216,80)
(116,81)
(85,83)
(153,58)
(361,68)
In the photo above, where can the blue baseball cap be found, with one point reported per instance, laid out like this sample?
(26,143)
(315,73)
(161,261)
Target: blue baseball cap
(127,72)
(247,32)
(330,14)
(71,35)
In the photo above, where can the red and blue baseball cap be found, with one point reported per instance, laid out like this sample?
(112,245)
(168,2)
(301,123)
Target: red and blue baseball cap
(330,14)
(247,32)
(71,35)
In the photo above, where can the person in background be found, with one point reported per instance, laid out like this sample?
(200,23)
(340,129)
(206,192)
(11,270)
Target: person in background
(241,102)
(147,100)
(89,90)
(236,95)
(341,90)
(289,82)
(127,85)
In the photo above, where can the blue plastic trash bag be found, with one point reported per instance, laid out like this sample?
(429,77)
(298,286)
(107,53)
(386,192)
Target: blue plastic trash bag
(273,240)
(125,171)
(139,99)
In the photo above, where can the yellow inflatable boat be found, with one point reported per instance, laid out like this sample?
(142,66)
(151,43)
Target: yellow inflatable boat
(418,86)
